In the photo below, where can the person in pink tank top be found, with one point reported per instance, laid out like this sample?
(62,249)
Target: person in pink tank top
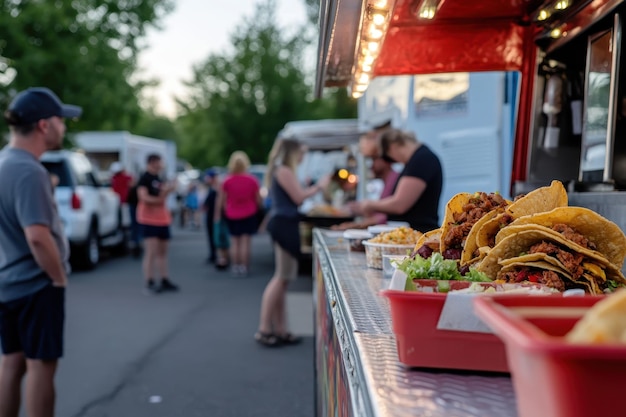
(239,200)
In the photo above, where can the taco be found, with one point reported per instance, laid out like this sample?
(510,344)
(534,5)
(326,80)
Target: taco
(603,323)
(537,201)
(540,272)
(472,250)
(579,225)
(461,214)
(427,244)
(538,245)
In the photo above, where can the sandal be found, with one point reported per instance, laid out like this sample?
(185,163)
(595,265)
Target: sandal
(267,339)
(289,339)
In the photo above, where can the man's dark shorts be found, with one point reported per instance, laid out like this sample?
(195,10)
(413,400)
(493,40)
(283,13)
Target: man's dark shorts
(34,324)
(160,232)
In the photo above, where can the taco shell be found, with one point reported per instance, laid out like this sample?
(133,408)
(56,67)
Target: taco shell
(471,242)
(537,201)
(454,205)
(608,238)
(511,266)
(603,323)
(519,243)
(433,237)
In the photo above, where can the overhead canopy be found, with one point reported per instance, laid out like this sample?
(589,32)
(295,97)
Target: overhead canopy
(487,35)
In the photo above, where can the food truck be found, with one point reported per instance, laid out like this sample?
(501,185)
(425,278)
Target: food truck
(568,127)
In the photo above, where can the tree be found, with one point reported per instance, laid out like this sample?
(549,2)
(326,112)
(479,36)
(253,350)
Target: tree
(240,99)
(84,50)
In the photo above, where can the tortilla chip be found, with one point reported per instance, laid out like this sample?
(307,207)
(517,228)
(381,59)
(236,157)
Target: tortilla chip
(602,323)
(609,239)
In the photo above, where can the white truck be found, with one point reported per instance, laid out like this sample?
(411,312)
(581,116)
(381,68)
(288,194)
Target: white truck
(104,148)
(91,212)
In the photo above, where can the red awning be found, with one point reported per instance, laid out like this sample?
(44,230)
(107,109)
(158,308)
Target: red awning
(487,35)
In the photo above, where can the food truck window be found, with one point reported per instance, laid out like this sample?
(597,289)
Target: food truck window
(597,130)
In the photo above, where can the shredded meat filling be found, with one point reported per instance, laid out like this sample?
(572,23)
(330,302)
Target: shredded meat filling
(504,221)
(471,212)
(551,279)
(548,278)
(571,261)
(570,234)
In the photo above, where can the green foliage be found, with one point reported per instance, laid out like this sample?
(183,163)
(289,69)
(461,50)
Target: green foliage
(84,50)
(241,98)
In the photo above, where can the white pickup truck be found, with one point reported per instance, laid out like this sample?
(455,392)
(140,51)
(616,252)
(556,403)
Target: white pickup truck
(91,213)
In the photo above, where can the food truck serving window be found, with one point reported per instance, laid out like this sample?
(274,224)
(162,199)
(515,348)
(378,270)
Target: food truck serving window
(597,132)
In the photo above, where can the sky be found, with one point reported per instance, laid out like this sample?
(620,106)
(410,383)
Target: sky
(195,29)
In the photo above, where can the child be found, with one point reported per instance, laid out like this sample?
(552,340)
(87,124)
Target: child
(192,205)
(222,244)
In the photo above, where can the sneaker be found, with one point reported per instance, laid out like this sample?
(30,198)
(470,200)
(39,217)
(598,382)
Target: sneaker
(167,285)
(152,288)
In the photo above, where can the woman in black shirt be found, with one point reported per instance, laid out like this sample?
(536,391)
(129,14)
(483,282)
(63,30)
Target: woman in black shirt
(415,197)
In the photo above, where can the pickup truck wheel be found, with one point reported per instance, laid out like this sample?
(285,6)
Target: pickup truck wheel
(121,248)
(89,252)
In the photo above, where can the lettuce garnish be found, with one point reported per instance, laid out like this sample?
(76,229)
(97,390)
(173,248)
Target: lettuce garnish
(436,267)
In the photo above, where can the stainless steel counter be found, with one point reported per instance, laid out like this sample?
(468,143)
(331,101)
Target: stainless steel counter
(379,385)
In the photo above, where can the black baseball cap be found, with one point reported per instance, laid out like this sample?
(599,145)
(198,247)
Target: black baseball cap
(37,103)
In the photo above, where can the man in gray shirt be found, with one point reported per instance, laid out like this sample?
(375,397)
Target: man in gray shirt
(33,255)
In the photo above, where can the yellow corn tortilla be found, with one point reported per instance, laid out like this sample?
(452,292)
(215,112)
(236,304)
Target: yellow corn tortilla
(537,201)
(594,272)
(609,239)
(603,323)
(454,205)
(471,242)
(430,236)
(515,244)
(541,264)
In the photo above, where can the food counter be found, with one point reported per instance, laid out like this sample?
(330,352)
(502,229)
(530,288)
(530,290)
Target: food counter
(356,362)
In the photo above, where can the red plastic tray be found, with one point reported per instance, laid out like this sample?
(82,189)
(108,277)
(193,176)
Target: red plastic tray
(552,377)
(415,316)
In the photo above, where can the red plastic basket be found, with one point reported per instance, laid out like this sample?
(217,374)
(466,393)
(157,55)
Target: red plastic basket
(551,377)
(415,316)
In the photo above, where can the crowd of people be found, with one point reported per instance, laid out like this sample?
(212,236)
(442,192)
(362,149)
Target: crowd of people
(34,251)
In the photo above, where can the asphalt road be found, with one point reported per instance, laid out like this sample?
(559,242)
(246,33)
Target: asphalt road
(187,354)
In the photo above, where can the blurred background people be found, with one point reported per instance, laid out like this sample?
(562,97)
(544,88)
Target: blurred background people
(135,228)
(121,181)
(154,217)
(192,204)
(286,195)
(208,206)
(415,197)
(121,184)
(382,168)
(240,200)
